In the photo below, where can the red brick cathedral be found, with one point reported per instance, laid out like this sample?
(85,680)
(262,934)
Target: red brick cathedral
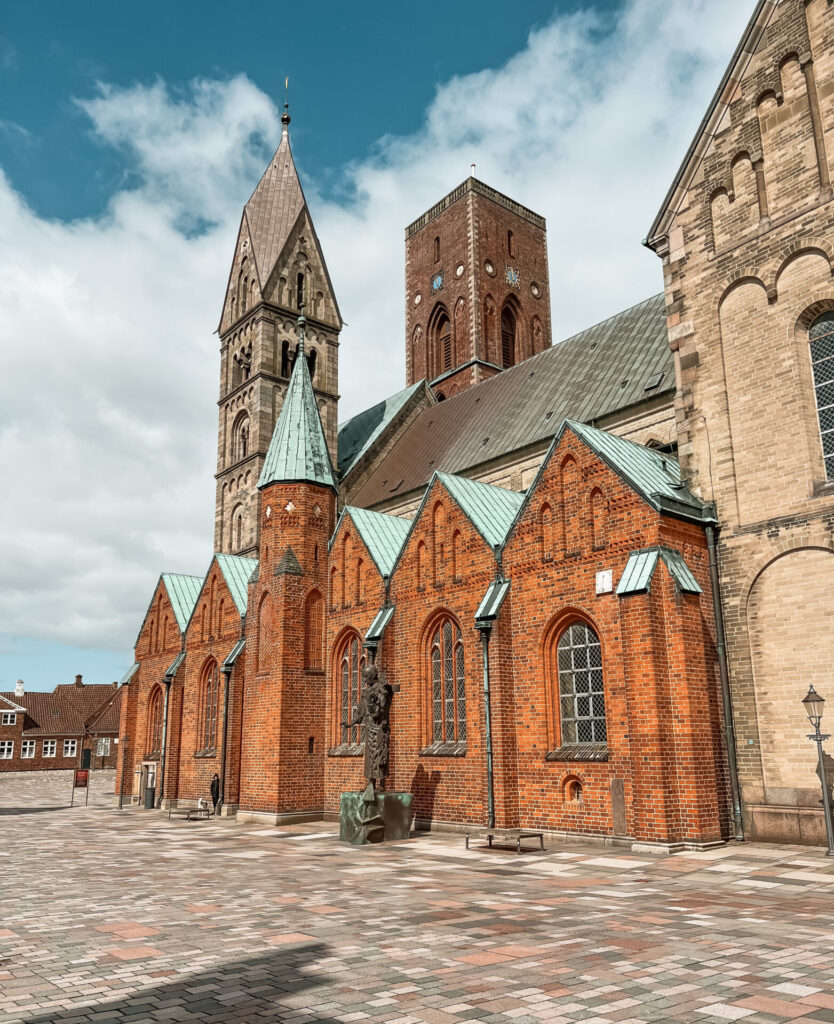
(511,537)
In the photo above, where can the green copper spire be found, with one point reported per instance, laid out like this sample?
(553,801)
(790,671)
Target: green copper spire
(298,450)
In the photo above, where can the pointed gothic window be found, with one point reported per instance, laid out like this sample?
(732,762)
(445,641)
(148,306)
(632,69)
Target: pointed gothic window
(510,244)
(154,730)
(448,683)
(351,663)
(299,289)
(437,249)
(285,359)
(508,330)
(442,344)
(210,695)
(311,363)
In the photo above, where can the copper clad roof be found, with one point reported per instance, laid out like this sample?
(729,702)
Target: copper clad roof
(604,369)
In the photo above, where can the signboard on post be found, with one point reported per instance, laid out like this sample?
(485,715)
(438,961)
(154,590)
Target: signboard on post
(80,780)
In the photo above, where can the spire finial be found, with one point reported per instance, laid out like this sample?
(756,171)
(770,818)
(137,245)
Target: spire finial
(285,117)
(302,323)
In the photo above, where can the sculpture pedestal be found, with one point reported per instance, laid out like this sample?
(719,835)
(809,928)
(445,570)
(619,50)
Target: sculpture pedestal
(370,817)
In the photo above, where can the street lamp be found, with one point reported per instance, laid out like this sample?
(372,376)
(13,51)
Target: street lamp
(813,707)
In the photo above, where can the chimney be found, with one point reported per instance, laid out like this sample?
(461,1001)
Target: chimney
(18,688)
(78,682)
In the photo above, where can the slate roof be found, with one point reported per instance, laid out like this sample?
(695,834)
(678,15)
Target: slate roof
(298,449)
(382,535)
(183,592)
(491,510)
(655,476)
(236,570)
(62,712)
(357,434)
(600,371)
(273,209)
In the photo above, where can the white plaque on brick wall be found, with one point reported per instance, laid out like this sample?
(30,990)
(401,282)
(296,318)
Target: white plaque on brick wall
(605,581)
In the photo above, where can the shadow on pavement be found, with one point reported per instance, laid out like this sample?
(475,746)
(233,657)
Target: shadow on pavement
(33,810)
(263,989)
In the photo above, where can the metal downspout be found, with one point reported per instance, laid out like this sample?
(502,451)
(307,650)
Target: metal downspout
(485,631)
(227,673)
(162,757)
(721,649)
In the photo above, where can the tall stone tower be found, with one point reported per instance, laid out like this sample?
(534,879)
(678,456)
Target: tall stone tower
(477,294)
(278,265)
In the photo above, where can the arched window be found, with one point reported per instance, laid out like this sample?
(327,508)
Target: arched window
(313,631)
(351,663)
(334,590)
(508,331)
(265,633)
(165,637)
(347,546)
(311,363)
(437,249)
(240,437)
(456,545)
(510,244)
(299,290)
(237,528)
(210,697)
(285,359)
(438,542)
(358,587)
(821,337)
(581,694)
(448,683)
(442,347)
(154,737)
(489,329)
(221,617)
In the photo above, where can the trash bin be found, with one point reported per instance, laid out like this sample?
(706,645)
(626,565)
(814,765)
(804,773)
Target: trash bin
(150,797)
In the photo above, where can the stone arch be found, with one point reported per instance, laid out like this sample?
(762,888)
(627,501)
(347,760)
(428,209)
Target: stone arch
(787,611)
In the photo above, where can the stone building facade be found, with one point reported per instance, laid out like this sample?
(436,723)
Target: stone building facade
(575,522)
(746,236)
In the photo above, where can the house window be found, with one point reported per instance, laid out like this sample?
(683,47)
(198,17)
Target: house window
(49,748)
(448,683)
(821,337)
(27,749)
(211,693)
(70,748)
(9,718)
(6,750)
(351,664)
(103,746)
(581,696)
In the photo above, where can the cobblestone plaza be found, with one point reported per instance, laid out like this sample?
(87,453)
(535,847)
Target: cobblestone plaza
(117,916)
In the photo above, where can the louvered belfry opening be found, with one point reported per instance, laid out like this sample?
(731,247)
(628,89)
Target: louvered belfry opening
(508,326)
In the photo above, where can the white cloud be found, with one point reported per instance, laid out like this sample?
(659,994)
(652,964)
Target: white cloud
(110,367)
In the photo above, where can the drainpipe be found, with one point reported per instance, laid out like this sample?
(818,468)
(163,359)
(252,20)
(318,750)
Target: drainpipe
(721,649)
(167,683)
(227,673)
(485,629)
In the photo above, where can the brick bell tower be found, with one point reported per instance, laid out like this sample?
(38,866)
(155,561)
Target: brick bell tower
(278,265)
(477,293)
(282,739)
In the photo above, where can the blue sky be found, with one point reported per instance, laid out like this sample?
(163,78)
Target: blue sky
(130,137)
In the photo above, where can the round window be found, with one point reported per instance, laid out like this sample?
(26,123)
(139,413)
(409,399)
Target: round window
(459,270)
(537,292)
(418,298)
(489,268)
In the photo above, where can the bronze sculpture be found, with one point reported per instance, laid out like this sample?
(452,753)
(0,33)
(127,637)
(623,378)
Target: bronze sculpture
(372,713)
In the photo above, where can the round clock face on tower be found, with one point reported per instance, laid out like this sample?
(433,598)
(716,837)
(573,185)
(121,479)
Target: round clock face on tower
(489,267)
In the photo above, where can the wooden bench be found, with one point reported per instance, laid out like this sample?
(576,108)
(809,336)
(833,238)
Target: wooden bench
(190,813)
(505,836)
